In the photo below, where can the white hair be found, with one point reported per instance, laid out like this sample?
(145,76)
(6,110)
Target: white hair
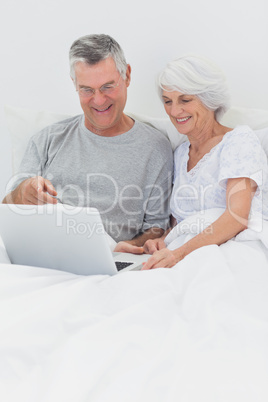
(194,75)
(91,49)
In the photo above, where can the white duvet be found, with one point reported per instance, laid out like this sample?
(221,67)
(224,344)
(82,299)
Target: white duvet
(196,332)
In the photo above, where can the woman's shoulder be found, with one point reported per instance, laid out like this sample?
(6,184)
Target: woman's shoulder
(182,148)
(241,136)
(242,145)
(240,132)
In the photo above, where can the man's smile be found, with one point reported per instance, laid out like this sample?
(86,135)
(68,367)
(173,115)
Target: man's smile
(103,110)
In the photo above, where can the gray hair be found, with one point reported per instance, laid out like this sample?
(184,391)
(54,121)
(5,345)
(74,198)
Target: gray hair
(194,75)
(91,49)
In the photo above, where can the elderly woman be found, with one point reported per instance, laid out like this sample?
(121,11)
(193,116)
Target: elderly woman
(217,169)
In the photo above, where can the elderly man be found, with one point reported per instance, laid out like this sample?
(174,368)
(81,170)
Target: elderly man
(102,158)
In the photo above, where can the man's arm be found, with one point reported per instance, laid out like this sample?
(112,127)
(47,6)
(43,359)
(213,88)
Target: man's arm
(157,206)
(154,239)
(35,190)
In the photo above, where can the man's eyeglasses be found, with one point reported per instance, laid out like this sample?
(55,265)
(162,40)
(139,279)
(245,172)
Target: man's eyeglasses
(106,89)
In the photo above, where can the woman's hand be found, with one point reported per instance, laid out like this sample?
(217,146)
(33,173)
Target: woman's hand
(164,258)
(153,245)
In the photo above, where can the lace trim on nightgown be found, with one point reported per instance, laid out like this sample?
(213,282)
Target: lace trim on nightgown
(203,160)
(200,163)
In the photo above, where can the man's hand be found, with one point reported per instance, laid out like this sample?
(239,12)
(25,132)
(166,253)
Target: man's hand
(136,245)
(125,247)
(35,191)
(153,245)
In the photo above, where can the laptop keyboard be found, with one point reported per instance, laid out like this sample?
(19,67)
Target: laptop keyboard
(120,264)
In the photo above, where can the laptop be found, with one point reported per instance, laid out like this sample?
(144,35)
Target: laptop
(62,237)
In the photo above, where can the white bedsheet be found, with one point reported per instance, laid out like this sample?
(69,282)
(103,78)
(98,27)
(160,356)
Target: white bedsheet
(197,332)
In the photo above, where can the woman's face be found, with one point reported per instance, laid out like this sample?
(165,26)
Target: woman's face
(186,112)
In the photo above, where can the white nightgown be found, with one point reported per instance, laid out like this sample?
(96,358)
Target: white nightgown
(239,154)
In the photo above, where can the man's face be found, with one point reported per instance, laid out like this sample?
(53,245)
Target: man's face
(103,112)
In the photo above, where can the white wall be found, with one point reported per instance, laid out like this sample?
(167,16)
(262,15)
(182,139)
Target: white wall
(36,36)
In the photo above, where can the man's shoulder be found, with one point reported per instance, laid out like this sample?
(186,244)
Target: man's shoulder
(62,127)
(63,124)
(153,134)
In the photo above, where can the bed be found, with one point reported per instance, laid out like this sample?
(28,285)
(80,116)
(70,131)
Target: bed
(196,332)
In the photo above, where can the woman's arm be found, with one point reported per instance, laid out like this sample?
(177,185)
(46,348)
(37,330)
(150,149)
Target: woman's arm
(239,194)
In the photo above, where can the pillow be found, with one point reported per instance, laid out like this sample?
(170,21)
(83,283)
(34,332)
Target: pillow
(23,123)
(254,118)
(257,119)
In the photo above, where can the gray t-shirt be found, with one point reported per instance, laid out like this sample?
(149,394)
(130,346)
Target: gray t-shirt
(128,177)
